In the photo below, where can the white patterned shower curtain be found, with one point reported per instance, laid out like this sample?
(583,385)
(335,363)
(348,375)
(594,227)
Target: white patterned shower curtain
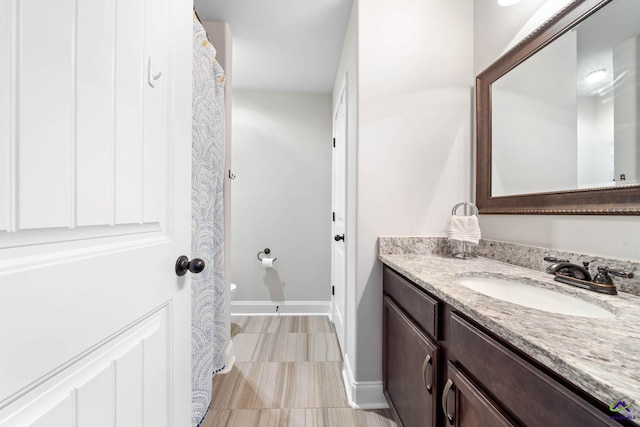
(209,320)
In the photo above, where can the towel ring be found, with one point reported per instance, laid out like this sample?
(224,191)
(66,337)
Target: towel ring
(466,205)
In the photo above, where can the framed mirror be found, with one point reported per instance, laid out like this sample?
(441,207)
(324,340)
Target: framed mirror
(558,116)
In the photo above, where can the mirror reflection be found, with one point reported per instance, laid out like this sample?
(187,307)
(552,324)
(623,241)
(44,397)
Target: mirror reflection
(568,117)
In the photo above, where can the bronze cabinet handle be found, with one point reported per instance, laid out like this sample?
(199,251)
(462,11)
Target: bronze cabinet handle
(427,361)
(445,394)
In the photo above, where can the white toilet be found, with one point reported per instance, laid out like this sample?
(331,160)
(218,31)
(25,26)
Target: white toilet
(232,291)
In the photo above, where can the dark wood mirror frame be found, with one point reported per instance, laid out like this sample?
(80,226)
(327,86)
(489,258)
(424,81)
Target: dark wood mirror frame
(624,200)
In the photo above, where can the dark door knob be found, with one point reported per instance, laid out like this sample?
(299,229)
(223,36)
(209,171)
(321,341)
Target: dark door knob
(338,237)
(183,264)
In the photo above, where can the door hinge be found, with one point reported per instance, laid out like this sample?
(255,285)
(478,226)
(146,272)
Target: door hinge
(333,290)
(334,217)
(334,143)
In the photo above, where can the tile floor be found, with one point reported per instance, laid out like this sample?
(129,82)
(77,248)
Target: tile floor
(287,374)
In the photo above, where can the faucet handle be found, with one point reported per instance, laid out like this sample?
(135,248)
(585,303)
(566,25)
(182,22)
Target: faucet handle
(554,259)
(604,278)
(622,273)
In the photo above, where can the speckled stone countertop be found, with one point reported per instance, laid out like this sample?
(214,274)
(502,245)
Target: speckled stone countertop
(600,356)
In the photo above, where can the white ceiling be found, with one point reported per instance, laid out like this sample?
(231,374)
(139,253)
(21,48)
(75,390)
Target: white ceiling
(287,45)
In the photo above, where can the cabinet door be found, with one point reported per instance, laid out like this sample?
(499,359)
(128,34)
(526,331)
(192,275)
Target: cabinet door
(410,364)
(465,405)
(529,393)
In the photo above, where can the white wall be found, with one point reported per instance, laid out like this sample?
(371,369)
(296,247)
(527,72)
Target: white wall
(281,195)
(413,156)
(608,236)
(495,27)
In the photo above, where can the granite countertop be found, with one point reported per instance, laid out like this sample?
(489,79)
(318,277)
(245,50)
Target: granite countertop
(601,356)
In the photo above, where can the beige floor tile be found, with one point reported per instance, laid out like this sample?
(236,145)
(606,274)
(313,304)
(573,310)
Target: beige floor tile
(297,385)
(280,324)
(281,347)
(265,385)
(288,372)
(246,347)
(346,417)
(289,347)
(240,388)
(256,418)
(315,324)
(330,392)
(257,324)
(268,392)
(378,418)
(330,417)
(324,347)
(292,347)
(226,388)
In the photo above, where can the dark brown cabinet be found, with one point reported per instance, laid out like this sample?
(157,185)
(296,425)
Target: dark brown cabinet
(411,365)
(442,369)
(465,405)
(527,391)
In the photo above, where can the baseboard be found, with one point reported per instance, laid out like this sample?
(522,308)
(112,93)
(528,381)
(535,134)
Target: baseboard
(362,394)
(275,308)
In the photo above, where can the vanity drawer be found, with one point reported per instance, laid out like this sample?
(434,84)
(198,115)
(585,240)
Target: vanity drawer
(415,302)
(521,388)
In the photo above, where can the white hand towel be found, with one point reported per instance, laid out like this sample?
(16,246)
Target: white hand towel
(464,228)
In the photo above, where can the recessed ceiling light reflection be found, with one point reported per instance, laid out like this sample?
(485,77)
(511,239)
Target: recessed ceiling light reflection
(596,76)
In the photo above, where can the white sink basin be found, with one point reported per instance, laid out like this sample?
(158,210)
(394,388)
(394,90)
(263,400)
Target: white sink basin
(536,297)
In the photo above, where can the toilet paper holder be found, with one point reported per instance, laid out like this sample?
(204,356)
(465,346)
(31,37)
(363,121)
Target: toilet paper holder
(266,251)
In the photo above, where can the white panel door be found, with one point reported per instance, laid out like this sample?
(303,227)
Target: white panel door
(95,169)
(339,272)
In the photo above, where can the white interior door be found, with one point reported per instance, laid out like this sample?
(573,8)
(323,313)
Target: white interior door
(338,257)
(94,211)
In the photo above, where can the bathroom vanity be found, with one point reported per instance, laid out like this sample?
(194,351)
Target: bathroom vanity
(456,356)
(453,356)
